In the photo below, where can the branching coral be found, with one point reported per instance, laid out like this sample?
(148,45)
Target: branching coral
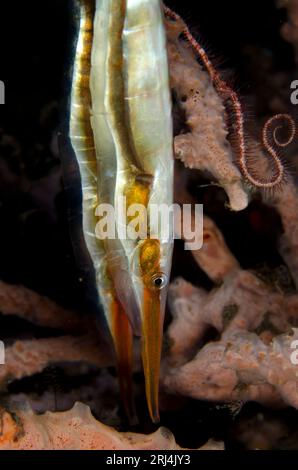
(206,98)
(25,358)
(286,204)
(251,358)
(205,147)
(18,300)
(214,249)
(239,367)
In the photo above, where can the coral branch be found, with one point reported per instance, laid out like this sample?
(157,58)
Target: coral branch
(239,367)
(242,302)
(18,300)
(286,204)
(205,147)
(228,95)
(26,358)
(214,257)
(253,324)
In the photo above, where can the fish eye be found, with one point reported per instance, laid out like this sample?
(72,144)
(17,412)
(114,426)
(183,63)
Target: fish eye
(159,281)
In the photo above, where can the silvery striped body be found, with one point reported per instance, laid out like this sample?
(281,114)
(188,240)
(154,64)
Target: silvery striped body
(121,131)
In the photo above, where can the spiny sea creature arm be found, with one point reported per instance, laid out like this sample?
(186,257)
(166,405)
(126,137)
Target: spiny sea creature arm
(229,96)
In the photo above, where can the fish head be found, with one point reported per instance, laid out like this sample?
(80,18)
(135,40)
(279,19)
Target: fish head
(152,264)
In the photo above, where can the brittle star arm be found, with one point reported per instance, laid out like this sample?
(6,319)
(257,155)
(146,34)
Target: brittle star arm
(230,97)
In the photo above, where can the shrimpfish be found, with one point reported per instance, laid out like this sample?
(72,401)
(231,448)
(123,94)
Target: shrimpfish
(120,130)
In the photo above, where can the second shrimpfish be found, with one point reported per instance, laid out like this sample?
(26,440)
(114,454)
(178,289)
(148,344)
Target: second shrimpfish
(120,130)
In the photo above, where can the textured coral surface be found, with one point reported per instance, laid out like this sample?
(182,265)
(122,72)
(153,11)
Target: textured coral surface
(77,429)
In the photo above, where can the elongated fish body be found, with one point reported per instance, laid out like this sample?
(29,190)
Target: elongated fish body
(93,188)
(107,165)
(145,171)
(155,151)
(121,131)
(82,140)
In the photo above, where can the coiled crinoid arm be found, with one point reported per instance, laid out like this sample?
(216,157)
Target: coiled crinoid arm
(229,96)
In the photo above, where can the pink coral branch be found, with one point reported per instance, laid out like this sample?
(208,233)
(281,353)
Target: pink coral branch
(227,93)
(254,323)
(206,146)
(25,358)
(38,309)
(214,257)
(286,203)
(239,367)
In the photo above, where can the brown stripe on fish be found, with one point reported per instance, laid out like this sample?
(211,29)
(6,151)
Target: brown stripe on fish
(116,86)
